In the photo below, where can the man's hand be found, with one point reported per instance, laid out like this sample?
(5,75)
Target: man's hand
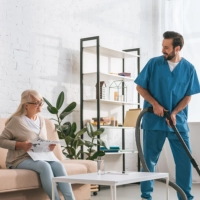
(26,146)
(181,105)
(173,117)
(52,146)
(158,109)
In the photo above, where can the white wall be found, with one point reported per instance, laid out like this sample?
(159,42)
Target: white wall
(40,41)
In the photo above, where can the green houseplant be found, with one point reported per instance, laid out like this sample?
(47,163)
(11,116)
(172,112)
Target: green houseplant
(73,139)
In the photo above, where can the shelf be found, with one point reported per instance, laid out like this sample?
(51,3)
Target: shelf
(117,127)
(112,102)
(121,152)
(105,66)
(104,51)
(110,76)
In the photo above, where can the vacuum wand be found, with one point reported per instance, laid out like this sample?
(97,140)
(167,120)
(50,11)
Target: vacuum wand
(194,163)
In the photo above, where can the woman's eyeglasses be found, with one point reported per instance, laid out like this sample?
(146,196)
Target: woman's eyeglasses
(36,103)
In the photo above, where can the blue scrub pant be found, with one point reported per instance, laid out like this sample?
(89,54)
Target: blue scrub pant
(48,170)
(153,142)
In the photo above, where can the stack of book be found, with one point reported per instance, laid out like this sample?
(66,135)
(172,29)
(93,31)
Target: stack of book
(128,74)
(112,149)
(103,121)
(125,74)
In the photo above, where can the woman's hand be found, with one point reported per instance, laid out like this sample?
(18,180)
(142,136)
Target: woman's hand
(26,146)
(52,146)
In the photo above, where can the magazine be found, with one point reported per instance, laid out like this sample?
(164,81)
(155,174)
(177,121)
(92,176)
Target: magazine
(40,150)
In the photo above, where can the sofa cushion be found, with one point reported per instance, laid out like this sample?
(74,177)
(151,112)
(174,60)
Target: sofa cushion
(89,164)
(75,168)
(3,154)
(18,179)
(21,179)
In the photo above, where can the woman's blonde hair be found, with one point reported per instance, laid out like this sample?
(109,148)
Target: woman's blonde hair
(26,96)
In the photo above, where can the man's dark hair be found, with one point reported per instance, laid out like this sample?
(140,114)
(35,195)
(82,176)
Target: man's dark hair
(177,38)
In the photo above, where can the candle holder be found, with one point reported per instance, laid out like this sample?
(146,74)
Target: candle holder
(118,91)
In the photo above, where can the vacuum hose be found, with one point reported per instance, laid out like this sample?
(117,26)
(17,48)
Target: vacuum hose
(140,151)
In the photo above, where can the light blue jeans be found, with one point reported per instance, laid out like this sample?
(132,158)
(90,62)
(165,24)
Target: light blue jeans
(47,170)
(153,142)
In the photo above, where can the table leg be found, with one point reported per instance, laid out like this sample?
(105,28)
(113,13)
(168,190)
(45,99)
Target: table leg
(53,189)
(167,188)
(113,192)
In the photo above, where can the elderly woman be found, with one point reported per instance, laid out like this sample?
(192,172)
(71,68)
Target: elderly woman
(24,126)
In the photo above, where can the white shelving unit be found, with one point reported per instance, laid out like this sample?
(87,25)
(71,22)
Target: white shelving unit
(118,153)
(104,51)
(107,75)
(96,73)
(111,102)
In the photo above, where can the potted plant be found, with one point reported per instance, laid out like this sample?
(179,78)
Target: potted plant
(73,139)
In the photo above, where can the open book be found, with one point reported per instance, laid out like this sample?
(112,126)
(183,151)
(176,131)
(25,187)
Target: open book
(40,150)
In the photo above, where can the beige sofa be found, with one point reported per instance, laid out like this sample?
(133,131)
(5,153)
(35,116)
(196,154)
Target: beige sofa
(18,184)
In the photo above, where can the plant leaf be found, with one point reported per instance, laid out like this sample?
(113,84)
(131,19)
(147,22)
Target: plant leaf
(79,152)
(71,151)
(101,143)
(52,110)
(68,139)
(89,144)
(97,154)
(74,127)
(91,150)
(64,127)
(47,102)
(81,141)
(68,130)
(57,127)
(89,130)
(101,129)
(97,132)
(60,100)
(53,119)
(69,108)
(64,114)
(81,132)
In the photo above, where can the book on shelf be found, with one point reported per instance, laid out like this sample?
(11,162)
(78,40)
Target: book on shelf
(114,147)
(125,74)
(111,149)
(128,74)
(103,121)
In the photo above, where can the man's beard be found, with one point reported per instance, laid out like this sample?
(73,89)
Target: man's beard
(170,56)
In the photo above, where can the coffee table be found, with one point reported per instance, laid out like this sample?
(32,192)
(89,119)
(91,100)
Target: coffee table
(111,179)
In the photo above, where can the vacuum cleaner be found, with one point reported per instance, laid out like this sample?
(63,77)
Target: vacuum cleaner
(140,151)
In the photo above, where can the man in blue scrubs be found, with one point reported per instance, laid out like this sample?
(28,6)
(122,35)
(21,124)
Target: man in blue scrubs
(166,83)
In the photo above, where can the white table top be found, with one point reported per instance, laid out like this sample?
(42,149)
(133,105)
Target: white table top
(111,178)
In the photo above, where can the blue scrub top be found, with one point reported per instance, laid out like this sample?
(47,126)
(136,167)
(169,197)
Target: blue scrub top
(168,88)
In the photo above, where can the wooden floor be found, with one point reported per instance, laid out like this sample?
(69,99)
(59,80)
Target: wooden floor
(132,192)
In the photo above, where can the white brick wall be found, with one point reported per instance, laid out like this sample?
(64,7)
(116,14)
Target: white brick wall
(40,41)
